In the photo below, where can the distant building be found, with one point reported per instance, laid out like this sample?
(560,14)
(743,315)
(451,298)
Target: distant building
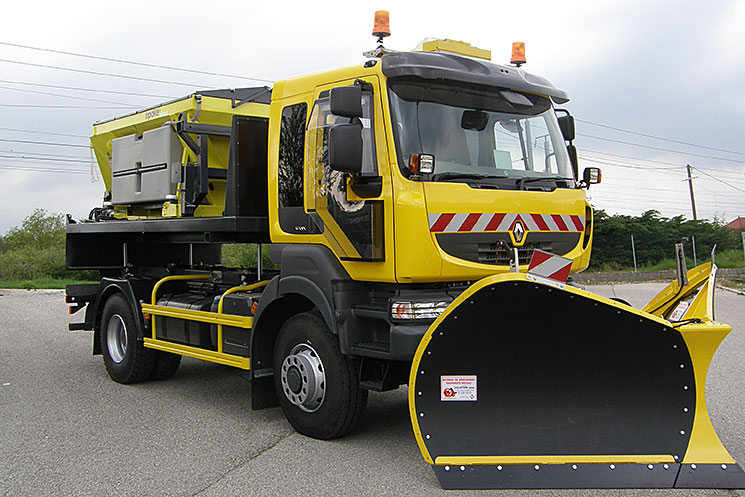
(736,225)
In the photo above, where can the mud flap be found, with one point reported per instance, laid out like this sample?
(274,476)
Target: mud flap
(520,384)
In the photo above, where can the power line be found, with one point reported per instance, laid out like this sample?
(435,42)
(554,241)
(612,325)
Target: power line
(64,96)
(631,158)
(50,162)
(644,203)
(636,184)
(145,64)
(43,132)
(680,195)
(43,154)
(96,73)
(77,88)
(42,169)
(741,174)
(729,171)
(660,138)
(634,180)
(717,179)
(639,187)
(44,159)
(45,143)
(638,191)
(660,148)
(627,202)
(628,166)
(33,106)
(640,201)
(717,193)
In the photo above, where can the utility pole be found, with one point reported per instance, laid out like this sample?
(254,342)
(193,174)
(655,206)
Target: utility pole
(690,187)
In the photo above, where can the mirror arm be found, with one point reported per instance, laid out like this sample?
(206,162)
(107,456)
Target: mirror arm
(367,186)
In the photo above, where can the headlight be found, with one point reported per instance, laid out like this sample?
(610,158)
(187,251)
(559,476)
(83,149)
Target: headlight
(401,309)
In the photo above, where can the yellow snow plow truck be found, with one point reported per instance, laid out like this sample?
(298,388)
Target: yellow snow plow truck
(424,211)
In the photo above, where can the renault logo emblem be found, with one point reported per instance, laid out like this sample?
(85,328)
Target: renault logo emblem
(518,232)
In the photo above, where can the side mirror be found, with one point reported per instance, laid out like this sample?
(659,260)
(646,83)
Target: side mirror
(346,101)
(566,125)
(345,147)
(592,176)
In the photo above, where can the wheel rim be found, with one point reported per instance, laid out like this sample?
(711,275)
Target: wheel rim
(116,338)
(304,378)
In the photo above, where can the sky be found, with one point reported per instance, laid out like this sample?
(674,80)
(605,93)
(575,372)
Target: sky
(654,86)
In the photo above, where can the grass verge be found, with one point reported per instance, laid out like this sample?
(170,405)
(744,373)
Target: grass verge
(724,259)
(40,283)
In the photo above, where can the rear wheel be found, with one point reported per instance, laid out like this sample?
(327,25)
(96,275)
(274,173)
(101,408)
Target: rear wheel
(316,385)
(125,357)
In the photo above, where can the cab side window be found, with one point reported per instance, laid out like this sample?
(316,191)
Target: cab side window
(292,216)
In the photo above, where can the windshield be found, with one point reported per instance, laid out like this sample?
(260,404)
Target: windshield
(475,133)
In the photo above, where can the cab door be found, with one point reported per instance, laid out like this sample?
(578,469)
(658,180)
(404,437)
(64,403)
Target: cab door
(349,208)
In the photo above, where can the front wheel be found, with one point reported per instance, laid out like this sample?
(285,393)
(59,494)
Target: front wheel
(165,365)
(125,357)
(316,385)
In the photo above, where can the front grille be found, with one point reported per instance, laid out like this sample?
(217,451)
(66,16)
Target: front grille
(496,248)
(501,255)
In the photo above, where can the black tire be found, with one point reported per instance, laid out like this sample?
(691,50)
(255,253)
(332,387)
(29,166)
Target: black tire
(165,365)
(125,357)
(304,348)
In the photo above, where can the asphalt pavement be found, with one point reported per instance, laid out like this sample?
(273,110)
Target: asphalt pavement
(67,429)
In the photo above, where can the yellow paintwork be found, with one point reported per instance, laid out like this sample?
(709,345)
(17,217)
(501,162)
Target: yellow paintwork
(583,260)
(177,277)
(307,89)
(216,318)
(200,316)
(411,252)
(664,302)
(701,339)
(453,46)
(461,198)
(170,209)
(197,353)
(571,459)
(235,289)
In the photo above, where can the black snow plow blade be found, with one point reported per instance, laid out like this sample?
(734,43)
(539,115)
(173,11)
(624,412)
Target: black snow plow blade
(529,384)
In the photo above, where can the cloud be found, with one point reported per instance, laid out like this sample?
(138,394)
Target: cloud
(668,68)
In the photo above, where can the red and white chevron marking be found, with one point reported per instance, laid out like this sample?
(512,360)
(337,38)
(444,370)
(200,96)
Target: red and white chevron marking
(460,223)
(547,265)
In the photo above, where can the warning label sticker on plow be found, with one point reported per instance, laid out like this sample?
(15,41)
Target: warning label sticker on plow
(458,388)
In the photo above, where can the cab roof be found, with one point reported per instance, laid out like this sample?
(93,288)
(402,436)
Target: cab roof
(466,69)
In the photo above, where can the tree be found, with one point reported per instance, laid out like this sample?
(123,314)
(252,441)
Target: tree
(39,230)
(654,238)
(36,249)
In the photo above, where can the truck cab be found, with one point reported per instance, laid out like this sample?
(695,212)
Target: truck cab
(444,166)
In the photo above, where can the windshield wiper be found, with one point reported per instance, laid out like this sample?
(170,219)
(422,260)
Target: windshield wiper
(521,182)
(452,175)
